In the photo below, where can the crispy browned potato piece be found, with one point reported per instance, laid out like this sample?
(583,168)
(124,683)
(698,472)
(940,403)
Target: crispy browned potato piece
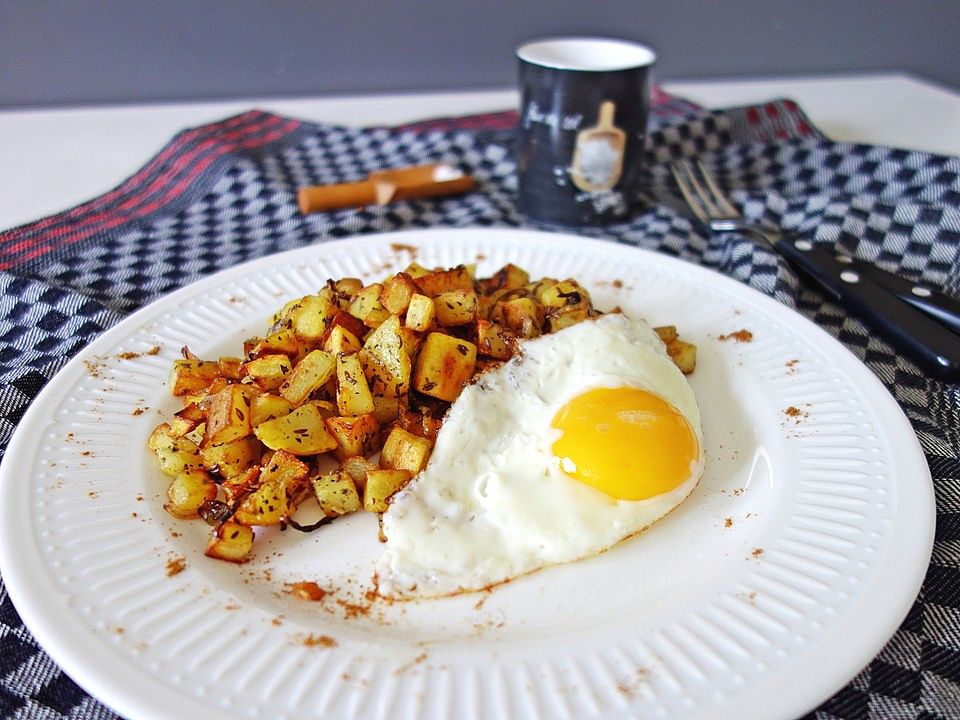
(280,479)
(310,316)
(509,277)
(355,435)
(420,313)
(403,450)
(192,376)
(228,417)
(353,392)
(301,432)
(337,493)
(522,315)
(311,373)
(444,366)
(494,341)
(456,307)
(667,333)
(341,340)
(440,281)
(357,468)
(232,542)
(267,406)
(684,355)
(188,491)
(386,360)
(381,485)
(366,306)
(282,341)
(231,458)
(174,454)
(231,368)
(397,291)
(269,371)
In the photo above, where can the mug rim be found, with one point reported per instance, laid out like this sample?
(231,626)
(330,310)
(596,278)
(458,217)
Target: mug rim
(561,53)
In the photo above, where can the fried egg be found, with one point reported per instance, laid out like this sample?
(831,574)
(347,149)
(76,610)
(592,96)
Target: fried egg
(585,438)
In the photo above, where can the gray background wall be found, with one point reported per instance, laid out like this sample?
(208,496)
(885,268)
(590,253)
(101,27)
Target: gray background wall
(64,52)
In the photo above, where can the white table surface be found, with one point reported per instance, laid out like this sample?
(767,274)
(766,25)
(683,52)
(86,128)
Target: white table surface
(53,159)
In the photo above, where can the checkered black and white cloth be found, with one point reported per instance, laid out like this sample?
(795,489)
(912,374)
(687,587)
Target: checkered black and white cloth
(224,193)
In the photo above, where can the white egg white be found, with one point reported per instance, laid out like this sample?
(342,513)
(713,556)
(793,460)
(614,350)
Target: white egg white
(493,503)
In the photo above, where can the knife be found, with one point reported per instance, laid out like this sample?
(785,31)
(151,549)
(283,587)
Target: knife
(921,323)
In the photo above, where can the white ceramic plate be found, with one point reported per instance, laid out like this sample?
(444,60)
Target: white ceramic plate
(780,577)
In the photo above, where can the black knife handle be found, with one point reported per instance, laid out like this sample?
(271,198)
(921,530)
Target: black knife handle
(931,345)
(944,308)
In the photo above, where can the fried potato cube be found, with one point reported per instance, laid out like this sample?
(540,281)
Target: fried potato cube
(310,374)
(357,468)
(564,294)
(336,493)
(286,469)
(494,341)
(269,371)
(267,406)
(355,435)
(228,417)
(341,340)
(384,356)
(353,392)
(238,486)
(420,313)
(397,292)
(282,341)
(231,542)
(348,322)
(231,458)
(348,286)
(416,270)
(403,450)
(419,424)
(386,408)
(667,333)
(280,480)
(509,277)
(188,490)
(444,365)
(522,315)
(684,355)
(175,454)
(192,376)
(230,367)
(310,317)
(366,306)
(441,281)
(267,505)
(301,432)
(457,307)
(380,487)
(565,318)
(187,420)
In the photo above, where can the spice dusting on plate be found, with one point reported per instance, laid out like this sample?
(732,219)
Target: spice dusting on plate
(757,552)
(175,566)
(740,336)
(796,413)
(307,590)
(312,640)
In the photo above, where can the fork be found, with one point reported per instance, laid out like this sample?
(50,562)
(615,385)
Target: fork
(917,320)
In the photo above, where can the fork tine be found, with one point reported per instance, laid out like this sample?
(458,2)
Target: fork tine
(690,189)
(717,194)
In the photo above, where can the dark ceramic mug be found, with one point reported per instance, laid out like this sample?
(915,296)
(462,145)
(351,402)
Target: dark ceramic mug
(583,120)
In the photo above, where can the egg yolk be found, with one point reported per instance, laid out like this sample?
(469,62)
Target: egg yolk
(625,442)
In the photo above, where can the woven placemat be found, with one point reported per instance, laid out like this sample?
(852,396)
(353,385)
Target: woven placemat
(224,193)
